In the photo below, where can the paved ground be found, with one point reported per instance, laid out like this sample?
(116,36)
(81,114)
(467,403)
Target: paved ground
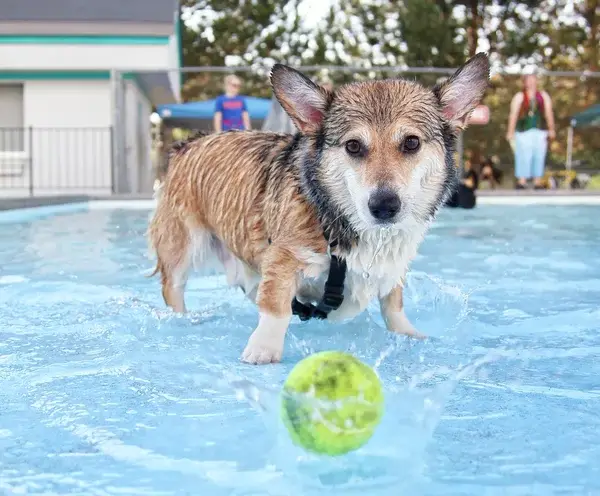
(13,203)
(543,192)
(141,196)
(27,202)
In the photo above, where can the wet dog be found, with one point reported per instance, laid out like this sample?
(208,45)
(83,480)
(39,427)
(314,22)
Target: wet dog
(333,214)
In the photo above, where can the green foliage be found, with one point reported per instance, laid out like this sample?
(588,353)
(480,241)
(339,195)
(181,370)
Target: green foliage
(594,183)
(432,34)
(377,34)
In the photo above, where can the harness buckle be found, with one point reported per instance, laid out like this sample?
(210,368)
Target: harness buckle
(307,311)
(333,295)
(332,299)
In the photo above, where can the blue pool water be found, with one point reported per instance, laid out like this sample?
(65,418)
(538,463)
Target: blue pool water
(105,392)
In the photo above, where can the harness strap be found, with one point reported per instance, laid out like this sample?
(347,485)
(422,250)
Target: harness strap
(333,295)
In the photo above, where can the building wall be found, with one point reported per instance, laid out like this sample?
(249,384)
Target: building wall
(175,56)
(148,53)
(64,104)
(144,55)
(62,138)
(56,97)
(63,142)
(138,138)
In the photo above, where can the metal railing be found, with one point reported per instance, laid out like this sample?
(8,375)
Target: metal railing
(55,161)
(397,69)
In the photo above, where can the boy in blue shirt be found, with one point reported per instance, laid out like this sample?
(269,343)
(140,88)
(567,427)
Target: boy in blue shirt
(230,108)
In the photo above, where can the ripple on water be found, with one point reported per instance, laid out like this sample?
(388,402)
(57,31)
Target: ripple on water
(119,402)
(104,391)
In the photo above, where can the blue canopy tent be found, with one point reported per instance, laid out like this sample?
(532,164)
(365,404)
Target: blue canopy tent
(590,117)
(199,115)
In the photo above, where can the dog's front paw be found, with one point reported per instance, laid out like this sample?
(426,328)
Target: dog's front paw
(264,346)
(398,322)
(259,355)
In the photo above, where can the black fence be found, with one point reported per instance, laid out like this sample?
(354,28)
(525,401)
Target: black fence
(45,161)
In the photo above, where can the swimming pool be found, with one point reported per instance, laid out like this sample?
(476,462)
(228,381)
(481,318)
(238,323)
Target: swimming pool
(103,391)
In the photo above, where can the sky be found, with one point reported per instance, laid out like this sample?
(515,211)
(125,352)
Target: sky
(314,10)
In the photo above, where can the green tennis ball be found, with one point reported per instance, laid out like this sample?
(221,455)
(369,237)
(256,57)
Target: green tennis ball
(331,403)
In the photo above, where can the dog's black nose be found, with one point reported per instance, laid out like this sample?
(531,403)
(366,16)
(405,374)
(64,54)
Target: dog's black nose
(384,204)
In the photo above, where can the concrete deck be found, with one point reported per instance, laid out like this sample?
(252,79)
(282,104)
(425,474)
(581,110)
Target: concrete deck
(487,196)
(39,201)
(540,193)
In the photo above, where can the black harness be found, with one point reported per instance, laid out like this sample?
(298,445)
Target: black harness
(333,295)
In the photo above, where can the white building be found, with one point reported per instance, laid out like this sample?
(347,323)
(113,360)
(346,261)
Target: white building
(67,124)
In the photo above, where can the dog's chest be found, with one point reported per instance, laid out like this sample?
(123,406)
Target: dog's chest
(374,268)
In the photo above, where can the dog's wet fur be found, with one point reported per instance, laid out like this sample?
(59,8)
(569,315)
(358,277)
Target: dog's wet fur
(368,169)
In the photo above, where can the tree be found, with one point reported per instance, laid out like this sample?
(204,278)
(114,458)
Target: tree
(229,32)
(377,34)
(431,34)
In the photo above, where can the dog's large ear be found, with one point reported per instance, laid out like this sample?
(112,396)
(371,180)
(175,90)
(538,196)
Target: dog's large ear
(304,101)
(463,91)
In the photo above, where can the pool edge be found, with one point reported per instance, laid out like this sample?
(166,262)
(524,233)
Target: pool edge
(518,200)
(133,204)
(24,214)
(24,209)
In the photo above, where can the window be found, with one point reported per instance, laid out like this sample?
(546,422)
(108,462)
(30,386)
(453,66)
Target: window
(12,132)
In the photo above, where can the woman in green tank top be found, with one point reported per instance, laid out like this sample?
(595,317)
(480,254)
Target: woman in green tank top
(530,125)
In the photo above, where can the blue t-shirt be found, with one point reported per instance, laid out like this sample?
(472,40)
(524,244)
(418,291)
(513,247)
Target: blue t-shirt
(231,109)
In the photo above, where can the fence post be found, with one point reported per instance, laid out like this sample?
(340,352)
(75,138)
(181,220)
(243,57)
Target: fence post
(117,131)
(30,145)
(569,162)
(112,159)
(114,83)
(460,149)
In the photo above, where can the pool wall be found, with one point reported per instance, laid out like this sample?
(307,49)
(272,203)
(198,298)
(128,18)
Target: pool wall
(23,209)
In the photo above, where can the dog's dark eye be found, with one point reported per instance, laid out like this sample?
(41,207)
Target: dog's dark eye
(411,144)
(353,147)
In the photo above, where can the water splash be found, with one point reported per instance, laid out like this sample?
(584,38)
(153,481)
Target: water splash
(415,397)
(103,389)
